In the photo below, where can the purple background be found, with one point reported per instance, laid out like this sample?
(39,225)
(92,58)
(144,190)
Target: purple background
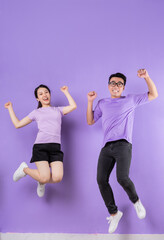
(79,44)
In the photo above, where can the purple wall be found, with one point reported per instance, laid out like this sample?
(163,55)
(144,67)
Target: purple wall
(79,44)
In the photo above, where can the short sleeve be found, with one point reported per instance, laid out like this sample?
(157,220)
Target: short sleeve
(140,99)
(97,112)
(61,110)
(32,115)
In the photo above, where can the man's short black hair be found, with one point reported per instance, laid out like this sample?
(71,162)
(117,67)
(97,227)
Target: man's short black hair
(120,75)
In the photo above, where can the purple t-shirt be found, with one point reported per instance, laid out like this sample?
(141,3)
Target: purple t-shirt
(118,116)
(49,121)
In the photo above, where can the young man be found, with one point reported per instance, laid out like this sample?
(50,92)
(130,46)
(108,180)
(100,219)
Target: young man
(117,114)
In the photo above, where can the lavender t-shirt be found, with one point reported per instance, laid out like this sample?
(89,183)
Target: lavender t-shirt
(118,116)
(49,121)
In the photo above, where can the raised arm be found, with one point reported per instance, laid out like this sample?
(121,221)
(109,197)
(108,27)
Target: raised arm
(91,97)
(72,105)
(152,94)
(17,123)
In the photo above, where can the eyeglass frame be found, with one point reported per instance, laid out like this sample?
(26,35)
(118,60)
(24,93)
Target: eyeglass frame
(119,84)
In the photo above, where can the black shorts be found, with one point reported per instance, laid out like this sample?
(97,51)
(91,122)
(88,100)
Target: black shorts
(49,152)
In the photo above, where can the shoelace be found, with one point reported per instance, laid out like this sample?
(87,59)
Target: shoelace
(41,186)
(139,207)
(109,219)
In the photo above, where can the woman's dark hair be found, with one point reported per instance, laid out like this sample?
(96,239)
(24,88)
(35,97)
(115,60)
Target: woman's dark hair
(36,93)
(120,75)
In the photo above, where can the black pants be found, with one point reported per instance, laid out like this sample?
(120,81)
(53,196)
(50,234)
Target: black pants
(118,152)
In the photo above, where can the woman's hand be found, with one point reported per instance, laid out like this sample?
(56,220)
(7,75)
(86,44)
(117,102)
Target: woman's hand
(64,89)
(8,105)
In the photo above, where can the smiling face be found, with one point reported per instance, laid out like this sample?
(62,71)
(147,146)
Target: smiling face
(43,96)
(116,87)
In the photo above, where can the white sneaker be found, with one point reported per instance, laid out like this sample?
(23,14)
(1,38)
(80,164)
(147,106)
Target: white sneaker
(140,210)
(41,189)
(113,221)
(19,173)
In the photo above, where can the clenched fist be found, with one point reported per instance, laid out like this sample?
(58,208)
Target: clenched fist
(91,96)
(8,105)
(142,73)
(64,88)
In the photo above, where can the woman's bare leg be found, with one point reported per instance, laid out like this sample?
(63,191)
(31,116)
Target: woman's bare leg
(57,171)
(41,174)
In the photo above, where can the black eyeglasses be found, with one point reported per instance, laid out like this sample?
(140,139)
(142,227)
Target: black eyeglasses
(119,84)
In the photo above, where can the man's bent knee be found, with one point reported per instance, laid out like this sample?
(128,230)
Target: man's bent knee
(124,182)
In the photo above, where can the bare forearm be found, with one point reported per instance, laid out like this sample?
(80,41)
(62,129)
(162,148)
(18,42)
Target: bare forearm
(70,100)
(13,117)
(90,116)
(153,93)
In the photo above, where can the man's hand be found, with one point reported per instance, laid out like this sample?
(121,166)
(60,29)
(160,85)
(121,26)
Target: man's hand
(142,73)
(152,94)
(64,89)
(8,105)
(91,96)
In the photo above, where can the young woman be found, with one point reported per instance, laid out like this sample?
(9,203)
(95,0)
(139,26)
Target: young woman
(46,150)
